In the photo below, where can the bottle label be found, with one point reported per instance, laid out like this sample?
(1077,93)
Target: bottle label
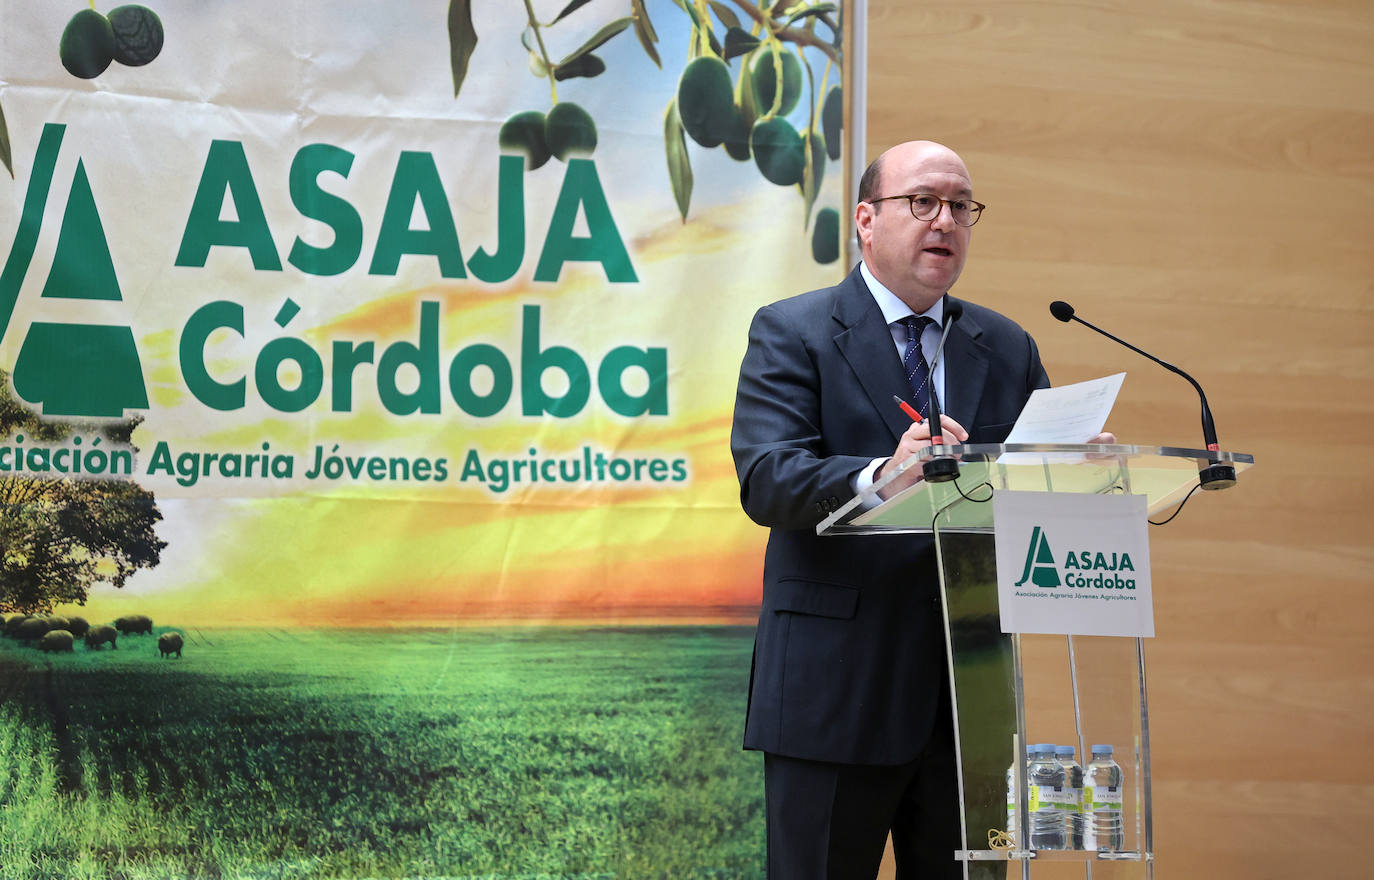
(1102,798)
(1048,797)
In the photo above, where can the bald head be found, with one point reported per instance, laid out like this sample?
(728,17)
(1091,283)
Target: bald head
(871,184)
(918,260)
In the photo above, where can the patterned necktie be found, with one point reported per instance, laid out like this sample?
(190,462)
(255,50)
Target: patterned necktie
(917,370)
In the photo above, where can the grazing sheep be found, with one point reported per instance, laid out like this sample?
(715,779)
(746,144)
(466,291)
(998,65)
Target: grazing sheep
(169,643)
(134,623)
(12,624)
(99,635)
(56,640)
(78,626)
(57,621)
(31,630)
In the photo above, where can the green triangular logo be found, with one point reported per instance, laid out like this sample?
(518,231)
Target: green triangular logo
(1040,568)
(82,268)
(90,370)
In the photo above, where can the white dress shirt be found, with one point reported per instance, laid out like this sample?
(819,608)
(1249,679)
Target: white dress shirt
(894,310)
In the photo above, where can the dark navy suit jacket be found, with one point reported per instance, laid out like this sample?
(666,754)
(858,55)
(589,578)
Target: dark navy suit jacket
(849,655)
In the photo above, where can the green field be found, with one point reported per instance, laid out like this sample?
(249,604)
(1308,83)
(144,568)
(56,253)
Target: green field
(503,753)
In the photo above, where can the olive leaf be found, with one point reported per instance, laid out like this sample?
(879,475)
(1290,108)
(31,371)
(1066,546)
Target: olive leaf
(462,40)
(5,145)
(569,9)
(739,42)
(744,94)
(715,44)
(691,12)
(642,13)
(644,29)
(813,155)
(598,39)
(588,65)
(679,163)
(725,14)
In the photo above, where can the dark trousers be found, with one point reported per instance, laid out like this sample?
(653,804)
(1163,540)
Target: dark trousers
(831,821)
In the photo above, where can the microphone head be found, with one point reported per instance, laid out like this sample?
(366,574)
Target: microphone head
(953,309)
(1061,310)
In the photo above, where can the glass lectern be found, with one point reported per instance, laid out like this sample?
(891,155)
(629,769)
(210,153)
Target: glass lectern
(1012,689)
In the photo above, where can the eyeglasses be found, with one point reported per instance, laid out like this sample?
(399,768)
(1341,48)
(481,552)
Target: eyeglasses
(925,207)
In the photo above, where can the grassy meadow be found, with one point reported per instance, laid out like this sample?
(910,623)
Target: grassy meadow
(501,753)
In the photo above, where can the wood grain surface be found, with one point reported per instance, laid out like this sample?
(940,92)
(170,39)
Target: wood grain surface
(1198,177)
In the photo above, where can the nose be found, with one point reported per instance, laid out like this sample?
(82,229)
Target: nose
(944,218)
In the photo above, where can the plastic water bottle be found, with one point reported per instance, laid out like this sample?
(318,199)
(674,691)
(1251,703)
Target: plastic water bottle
(1011,796)
(1073,776)
(1103,797)
(1049,799)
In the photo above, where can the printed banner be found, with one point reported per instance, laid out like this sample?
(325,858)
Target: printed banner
(1073,564)
(367,380)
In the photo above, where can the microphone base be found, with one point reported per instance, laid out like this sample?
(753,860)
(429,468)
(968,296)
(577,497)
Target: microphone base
(1216,476)
(940,470)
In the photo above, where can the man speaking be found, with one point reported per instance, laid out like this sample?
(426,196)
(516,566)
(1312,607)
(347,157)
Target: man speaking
(849,695)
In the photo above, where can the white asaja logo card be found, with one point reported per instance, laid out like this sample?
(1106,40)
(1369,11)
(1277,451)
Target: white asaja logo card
(1073,564)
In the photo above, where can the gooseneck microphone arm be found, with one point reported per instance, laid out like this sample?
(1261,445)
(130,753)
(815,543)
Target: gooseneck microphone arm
(1216,476)
(1064,312)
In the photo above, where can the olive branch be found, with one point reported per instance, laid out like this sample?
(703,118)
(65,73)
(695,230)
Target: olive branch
(745,110)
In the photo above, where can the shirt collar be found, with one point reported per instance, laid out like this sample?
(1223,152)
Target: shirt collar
(894,309)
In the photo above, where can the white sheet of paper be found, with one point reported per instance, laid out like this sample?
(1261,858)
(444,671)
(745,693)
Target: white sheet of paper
(1067,413)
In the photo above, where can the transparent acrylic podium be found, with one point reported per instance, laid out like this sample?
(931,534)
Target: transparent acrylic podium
(1069,690)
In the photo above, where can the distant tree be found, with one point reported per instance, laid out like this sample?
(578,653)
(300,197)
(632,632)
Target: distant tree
(60,535)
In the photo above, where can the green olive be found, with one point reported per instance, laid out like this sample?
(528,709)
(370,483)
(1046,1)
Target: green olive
(778,151)
(765,81)
(737,140)
(825,236)
(569,131)
(137,34)
(88,44)
(832,120)
(706,101)
(524,133)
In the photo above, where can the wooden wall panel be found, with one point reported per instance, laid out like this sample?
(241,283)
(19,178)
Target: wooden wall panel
(1198,177)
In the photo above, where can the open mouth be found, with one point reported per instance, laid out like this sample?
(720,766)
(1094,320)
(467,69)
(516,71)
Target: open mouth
(939,251)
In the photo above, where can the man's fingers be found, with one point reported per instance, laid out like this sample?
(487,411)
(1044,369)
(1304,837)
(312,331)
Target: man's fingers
(916,434)
(952,430)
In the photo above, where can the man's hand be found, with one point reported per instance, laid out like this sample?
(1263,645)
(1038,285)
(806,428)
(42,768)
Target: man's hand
(1106,437)
(917,437)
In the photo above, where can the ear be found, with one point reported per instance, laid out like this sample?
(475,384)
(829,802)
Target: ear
(863,223)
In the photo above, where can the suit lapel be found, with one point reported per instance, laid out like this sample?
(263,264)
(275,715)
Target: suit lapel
(865,342)
(966,370)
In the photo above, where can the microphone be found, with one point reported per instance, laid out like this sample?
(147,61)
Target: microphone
(940,468)
(1214,475)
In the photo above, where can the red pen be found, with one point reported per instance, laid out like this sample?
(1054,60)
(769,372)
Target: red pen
(908,409)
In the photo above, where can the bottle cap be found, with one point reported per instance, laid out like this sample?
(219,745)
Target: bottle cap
(1102,750)
(1064,750)
(1043,747)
